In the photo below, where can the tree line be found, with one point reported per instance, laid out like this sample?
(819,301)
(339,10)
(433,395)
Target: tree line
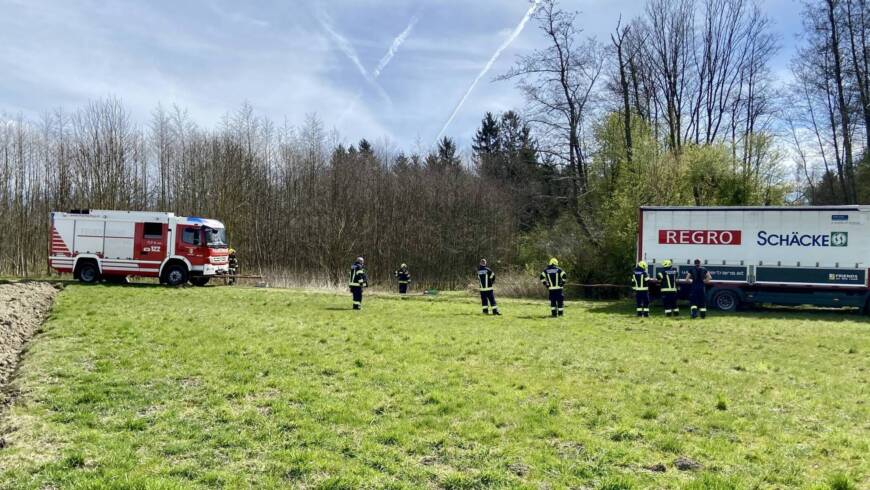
(293,199)
(678,106)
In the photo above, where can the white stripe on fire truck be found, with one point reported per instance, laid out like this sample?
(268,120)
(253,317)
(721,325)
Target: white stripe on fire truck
(129,270)
(132,261)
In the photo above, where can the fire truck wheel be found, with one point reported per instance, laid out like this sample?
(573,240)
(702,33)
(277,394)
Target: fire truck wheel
(199,280)
(89,273)
(175,275)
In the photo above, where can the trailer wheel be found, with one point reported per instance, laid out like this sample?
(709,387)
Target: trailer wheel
(199,280)
(175,275)
(89,273)
(726,300)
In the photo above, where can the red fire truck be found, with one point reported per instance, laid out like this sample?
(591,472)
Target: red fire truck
(112,245)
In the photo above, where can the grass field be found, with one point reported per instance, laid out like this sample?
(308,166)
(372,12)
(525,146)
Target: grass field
(150,387)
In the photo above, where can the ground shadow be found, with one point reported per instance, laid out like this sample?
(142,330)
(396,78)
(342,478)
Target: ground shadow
(137,285)
(534,317)
(759,312)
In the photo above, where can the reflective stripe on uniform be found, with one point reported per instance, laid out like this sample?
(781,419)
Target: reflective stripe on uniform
(638,282)
(554,279)
(485,277)
(668,280)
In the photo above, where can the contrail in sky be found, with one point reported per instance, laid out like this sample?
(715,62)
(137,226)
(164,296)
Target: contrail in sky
(388,56)
(347,48)
(516,32)
(397,42)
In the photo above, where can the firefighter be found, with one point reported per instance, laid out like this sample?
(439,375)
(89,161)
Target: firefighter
(639,283)
(667,278)
(699,278)
(358,281)
(486,277)
(554,279)
(232,266)
(404,277)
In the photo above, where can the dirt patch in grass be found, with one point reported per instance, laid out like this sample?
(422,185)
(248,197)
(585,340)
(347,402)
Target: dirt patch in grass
(23,307)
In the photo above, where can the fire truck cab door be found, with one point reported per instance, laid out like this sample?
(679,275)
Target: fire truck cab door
(150,241)
(189,243)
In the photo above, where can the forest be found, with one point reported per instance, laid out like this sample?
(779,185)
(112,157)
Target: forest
(679,106)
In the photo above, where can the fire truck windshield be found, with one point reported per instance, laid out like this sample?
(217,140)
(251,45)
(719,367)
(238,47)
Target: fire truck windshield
(215,237)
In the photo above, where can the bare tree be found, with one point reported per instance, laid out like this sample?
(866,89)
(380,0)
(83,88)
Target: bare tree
(831,85)
(620,44)
(558,82)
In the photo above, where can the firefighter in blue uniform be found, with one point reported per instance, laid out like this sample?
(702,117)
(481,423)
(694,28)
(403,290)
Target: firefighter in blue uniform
(486,278)
(554,279)
(358,281)
(698,277)
(667,278)
(404,278)
(640,286)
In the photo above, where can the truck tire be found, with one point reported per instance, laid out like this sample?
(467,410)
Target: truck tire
(199,280)
(726,300)
(89,273)
(175,274)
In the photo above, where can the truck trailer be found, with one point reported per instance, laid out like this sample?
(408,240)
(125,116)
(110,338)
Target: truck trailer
(802,255)
(96,245)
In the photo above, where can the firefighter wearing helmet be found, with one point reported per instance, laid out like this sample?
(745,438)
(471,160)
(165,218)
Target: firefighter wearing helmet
(358,281)
(232,266)
(640,286)
(553,278)
(403,275)
(486,278)
(667,278)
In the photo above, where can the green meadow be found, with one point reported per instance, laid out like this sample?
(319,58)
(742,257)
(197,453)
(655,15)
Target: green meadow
(221,387)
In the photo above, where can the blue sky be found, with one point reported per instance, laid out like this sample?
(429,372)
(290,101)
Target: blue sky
(290,58)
